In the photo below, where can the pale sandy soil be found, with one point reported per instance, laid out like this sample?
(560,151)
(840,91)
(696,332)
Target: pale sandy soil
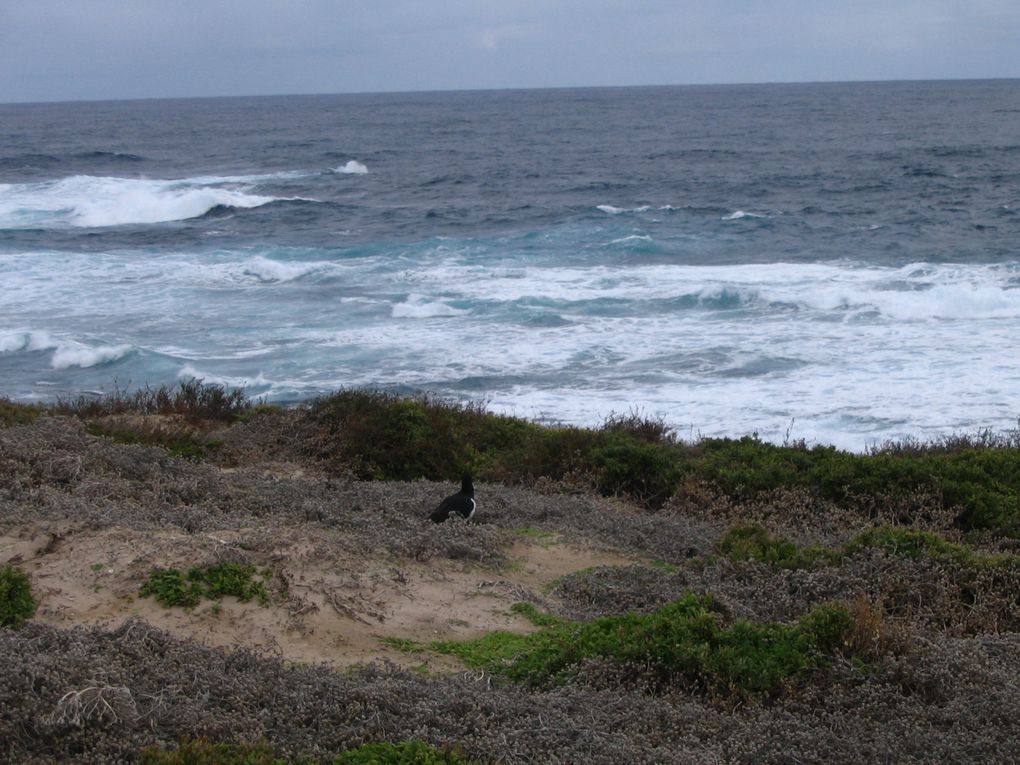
(336,614)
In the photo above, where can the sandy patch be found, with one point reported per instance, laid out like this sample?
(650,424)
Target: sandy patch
(323,609)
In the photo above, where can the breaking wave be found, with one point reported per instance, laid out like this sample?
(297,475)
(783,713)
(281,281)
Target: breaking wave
(419,307)
(353,167)
(91,202)
(66,353)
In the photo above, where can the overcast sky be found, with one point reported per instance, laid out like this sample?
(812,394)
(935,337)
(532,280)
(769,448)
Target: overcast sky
(91,49)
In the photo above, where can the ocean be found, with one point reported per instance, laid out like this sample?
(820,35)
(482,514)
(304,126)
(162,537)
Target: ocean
(838,263)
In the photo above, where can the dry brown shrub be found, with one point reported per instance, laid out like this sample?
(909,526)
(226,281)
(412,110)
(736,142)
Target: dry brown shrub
(872,633)
(954,700)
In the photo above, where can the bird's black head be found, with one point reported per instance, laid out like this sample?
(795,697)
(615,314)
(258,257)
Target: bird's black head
(466,487)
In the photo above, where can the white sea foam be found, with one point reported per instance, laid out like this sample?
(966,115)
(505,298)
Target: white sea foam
(632,238)
(855,352)
(92,202)
(26,340)
(75,355)
(353,167)
(66,353)
(612,210)
(231,381)
(268,270)
(419,307)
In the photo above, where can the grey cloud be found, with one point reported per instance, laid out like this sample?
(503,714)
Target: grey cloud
(67,49)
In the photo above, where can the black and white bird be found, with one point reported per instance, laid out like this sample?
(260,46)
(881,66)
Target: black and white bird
(462,503)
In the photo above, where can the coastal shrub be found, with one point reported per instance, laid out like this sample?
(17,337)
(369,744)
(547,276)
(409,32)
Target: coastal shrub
(203,752)
(380,435)
(653,430)
(178,442)
(170,587)
(624,465)
(913,543)
(683,641)
(13,413)
(384,436)
(16,601)
(981,483)
(192,399)
(388,437)
(755,543)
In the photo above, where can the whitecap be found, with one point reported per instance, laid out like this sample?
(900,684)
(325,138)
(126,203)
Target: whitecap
(26,340)
(737,215)
(267,270)
(92,202)
(259,381)
(418,307)
(75,355)
(632,238)
(612,210)
(353,167)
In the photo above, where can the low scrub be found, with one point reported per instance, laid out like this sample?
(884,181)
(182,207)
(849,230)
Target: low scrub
(682,642)
(170,587)
(192,399)
(202,752)
(384,436)
(178,442)
(13,413)
(755,543)
(16,601)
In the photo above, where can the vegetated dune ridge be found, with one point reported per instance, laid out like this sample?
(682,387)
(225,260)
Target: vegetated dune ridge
(928,671)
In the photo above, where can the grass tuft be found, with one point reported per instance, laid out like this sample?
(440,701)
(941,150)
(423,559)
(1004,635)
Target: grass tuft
(404,645)
(404,753)
(203,752)
(16,601)
(170,587)
(536,617)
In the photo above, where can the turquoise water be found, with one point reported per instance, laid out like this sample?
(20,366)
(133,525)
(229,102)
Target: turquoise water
(837,262)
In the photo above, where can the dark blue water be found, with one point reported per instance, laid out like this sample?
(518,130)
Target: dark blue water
(733,258)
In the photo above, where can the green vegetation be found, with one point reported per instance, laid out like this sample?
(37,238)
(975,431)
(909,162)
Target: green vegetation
(533,533)
(405,645)
(13,413)
(755,543)
(192,399)
(202,752)
(405,753)
(384,436)
(178,443)
(16,601)
(171,587)
(387,437)
(913,543)
(682,641)
(536,617)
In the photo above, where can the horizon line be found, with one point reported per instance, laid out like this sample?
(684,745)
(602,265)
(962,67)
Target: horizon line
(424,91)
